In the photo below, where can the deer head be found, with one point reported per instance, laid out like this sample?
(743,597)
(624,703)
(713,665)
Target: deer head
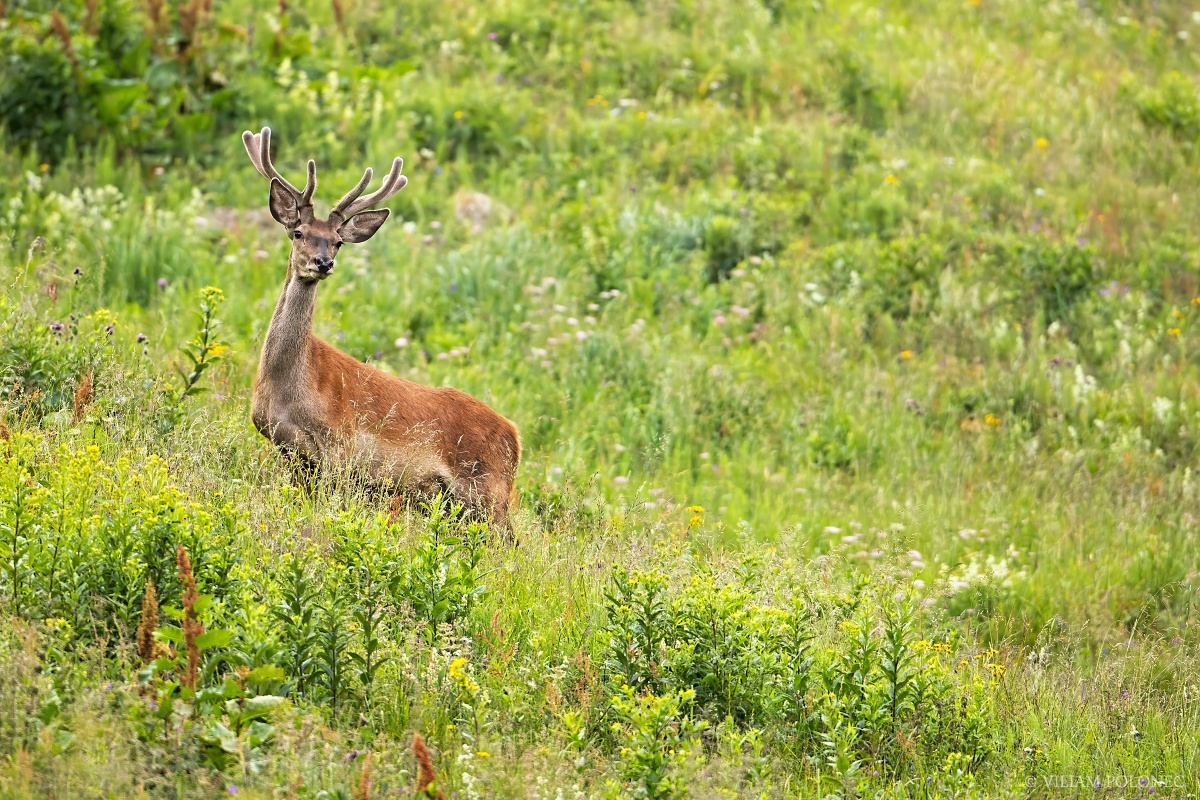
(315,242)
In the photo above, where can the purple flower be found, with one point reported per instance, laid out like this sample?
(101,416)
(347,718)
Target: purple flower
(1114,289)
(78,271)
(110,329)
(142,338)
(57,327)
(162,283)
(491,36)
(232,789)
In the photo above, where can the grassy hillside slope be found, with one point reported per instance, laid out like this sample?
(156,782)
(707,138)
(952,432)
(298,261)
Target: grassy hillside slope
(852,346)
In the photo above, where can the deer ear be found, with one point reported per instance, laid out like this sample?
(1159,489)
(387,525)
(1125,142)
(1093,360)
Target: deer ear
(362,226)
(283,205)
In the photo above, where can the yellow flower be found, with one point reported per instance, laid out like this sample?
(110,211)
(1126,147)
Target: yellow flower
(906,355)
(458,115)
(891,180)
(217,349)
(997,669)
(696,521)
(696,509)
(482,754)
(1041,143)
(1196,301)
(992,420)
(1173,332)
(458,668)
(43,167)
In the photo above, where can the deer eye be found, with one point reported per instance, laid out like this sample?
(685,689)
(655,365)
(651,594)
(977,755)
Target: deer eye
(297,235)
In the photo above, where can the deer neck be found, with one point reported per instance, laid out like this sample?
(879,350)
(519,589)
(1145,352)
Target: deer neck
(286,349)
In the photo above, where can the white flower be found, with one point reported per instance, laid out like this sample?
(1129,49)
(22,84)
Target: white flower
(1162,408)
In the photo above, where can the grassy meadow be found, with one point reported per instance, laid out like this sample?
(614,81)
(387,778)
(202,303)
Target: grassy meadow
(853,348)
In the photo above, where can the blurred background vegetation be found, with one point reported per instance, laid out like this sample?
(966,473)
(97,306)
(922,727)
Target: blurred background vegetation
(800,305)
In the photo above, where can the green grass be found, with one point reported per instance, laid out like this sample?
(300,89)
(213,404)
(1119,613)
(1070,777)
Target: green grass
(903,296)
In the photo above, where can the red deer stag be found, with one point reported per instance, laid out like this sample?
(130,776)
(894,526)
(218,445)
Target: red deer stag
(322,406)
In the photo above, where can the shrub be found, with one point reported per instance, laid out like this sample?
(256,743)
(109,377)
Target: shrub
(1173,104)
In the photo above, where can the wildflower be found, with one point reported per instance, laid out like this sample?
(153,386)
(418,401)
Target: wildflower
(43,167)
(426,776)
(620,480)
(142,338)
(1041,143)
(1196,300)
(83,397)
(492,36)
(401,342)
(458,115)
(192,627)
(482,754)
(217,349)
(232,789)
(891,180)
(57,327)
(78,271)
(906,355)
(162,283)
(1173,332)
(696,509)
(992,421)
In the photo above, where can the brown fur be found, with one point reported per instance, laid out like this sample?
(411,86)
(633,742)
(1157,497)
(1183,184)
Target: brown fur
(316,402)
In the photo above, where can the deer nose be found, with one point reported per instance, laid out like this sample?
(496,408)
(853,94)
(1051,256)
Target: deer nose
(323,264)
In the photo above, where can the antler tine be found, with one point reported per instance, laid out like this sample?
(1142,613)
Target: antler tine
(252,143)
(258,147)
(265,158)
(352,195)
(393,183)
(310,184)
